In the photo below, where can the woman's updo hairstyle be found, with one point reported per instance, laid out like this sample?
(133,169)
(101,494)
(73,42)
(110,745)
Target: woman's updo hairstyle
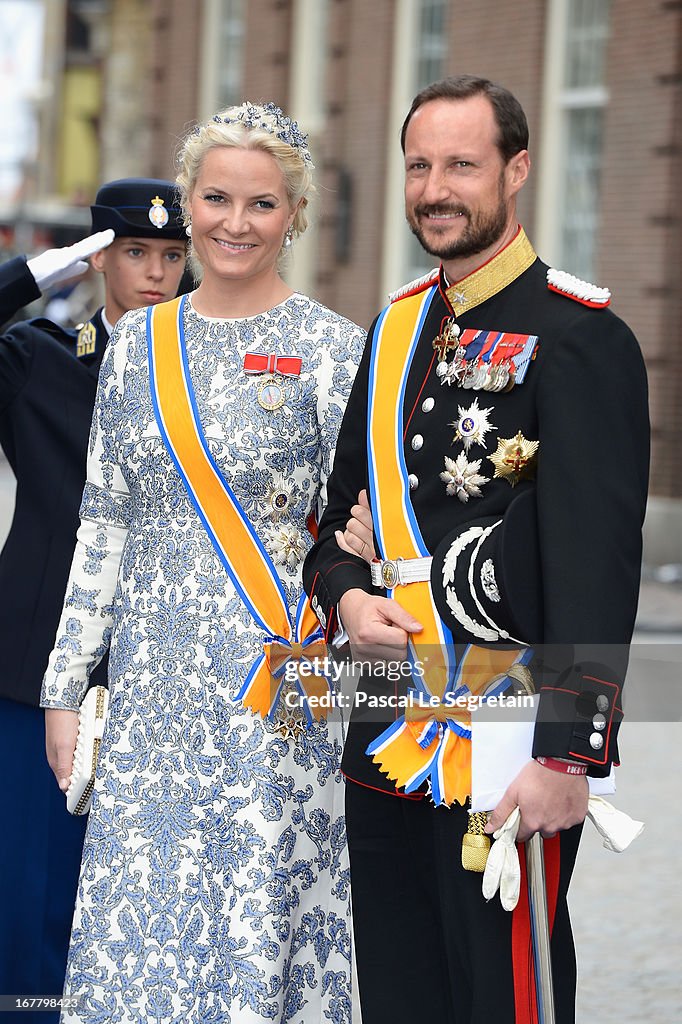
(252,126)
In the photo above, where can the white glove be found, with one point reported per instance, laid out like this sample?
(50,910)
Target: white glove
(502,869)
(55,265)
(616,828)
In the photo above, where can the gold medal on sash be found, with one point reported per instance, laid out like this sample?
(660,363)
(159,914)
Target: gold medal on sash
(290,725)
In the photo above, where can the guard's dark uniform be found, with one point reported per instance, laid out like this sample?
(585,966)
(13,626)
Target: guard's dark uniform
(47,395)
(420,921)
(48,380)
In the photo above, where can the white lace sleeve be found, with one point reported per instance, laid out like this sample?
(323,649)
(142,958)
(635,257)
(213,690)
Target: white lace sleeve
(87,616)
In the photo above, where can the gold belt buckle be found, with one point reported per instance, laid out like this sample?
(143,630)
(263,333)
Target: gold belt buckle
(390,573)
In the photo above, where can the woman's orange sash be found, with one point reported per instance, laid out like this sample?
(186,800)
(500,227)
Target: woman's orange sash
(287,639)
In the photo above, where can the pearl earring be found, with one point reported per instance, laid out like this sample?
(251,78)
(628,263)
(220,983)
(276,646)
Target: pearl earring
(288,238)
(188,230)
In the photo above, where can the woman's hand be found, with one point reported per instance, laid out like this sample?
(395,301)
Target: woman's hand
(357,539)
(61,735)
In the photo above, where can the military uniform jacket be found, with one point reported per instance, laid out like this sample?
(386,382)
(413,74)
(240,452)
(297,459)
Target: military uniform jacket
(584,399)
(47,396)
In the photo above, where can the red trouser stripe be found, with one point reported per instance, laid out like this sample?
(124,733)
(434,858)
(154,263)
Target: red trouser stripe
(523,967)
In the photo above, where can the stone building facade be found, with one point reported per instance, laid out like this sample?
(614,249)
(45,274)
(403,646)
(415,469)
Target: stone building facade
(600,81)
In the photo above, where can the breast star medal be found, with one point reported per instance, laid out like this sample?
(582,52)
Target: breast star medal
(462,478)
(514,459)
(278,498)
(472,426)
(285,544)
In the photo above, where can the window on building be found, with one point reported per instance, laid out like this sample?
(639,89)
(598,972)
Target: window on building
(432,44)
(420,56)
(583,99)
(231,49)
(221,70)
(571,137)
(430,54)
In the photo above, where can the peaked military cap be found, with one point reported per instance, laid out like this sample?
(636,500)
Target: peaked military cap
(486,577)
(139,207)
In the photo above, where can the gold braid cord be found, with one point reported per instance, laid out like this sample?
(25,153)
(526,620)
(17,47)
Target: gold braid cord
(475,844)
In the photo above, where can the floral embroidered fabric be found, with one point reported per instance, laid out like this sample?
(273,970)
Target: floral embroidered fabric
(214,883)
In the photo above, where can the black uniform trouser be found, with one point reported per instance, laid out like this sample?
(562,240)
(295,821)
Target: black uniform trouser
(428,946)
(40,856)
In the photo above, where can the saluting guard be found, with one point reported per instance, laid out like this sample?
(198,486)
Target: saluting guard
(48,379)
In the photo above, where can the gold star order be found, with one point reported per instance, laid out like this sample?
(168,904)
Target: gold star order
(514,458)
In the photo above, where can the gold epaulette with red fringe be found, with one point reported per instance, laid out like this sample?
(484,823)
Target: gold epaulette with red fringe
(418,285)
(563,283)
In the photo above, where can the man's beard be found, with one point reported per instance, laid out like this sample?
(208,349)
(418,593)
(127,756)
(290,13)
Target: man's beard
(481,232)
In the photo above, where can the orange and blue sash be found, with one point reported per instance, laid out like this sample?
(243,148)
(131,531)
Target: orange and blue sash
(431,742)
(233,537)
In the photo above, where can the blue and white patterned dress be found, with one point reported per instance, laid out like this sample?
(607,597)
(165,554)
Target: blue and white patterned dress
(214,885)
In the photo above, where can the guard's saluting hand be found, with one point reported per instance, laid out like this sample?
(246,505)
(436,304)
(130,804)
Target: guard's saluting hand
(55,265)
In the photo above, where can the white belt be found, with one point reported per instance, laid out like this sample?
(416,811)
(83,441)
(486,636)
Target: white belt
(390,574)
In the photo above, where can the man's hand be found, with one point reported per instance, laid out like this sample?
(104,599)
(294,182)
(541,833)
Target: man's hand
(357,539)
(549,802)
(61,735)
(55,265)
(377,627)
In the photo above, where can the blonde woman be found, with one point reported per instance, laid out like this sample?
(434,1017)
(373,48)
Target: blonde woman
(214,883)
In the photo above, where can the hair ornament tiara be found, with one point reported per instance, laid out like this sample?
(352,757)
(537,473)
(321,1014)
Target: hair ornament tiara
(272,119)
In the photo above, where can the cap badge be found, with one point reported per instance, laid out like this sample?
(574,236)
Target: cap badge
(514,459)
(488,630)
(158,214)
(477,629)
(462,478)
(488,581)
(472,426)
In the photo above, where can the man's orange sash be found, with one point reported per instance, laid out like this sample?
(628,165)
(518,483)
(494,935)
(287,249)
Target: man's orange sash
(432,740)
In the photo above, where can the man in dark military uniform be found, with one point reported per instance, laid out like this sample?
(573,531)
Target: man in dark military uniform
(48,378)
(499,424)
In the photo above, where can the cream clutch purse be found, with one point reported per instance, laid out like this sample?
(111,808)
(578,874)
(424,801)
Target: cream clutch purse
(91,718)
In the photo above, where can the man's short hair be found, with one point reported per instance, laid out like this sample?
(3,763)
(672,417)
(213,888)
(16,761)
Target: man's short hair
(509,116)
